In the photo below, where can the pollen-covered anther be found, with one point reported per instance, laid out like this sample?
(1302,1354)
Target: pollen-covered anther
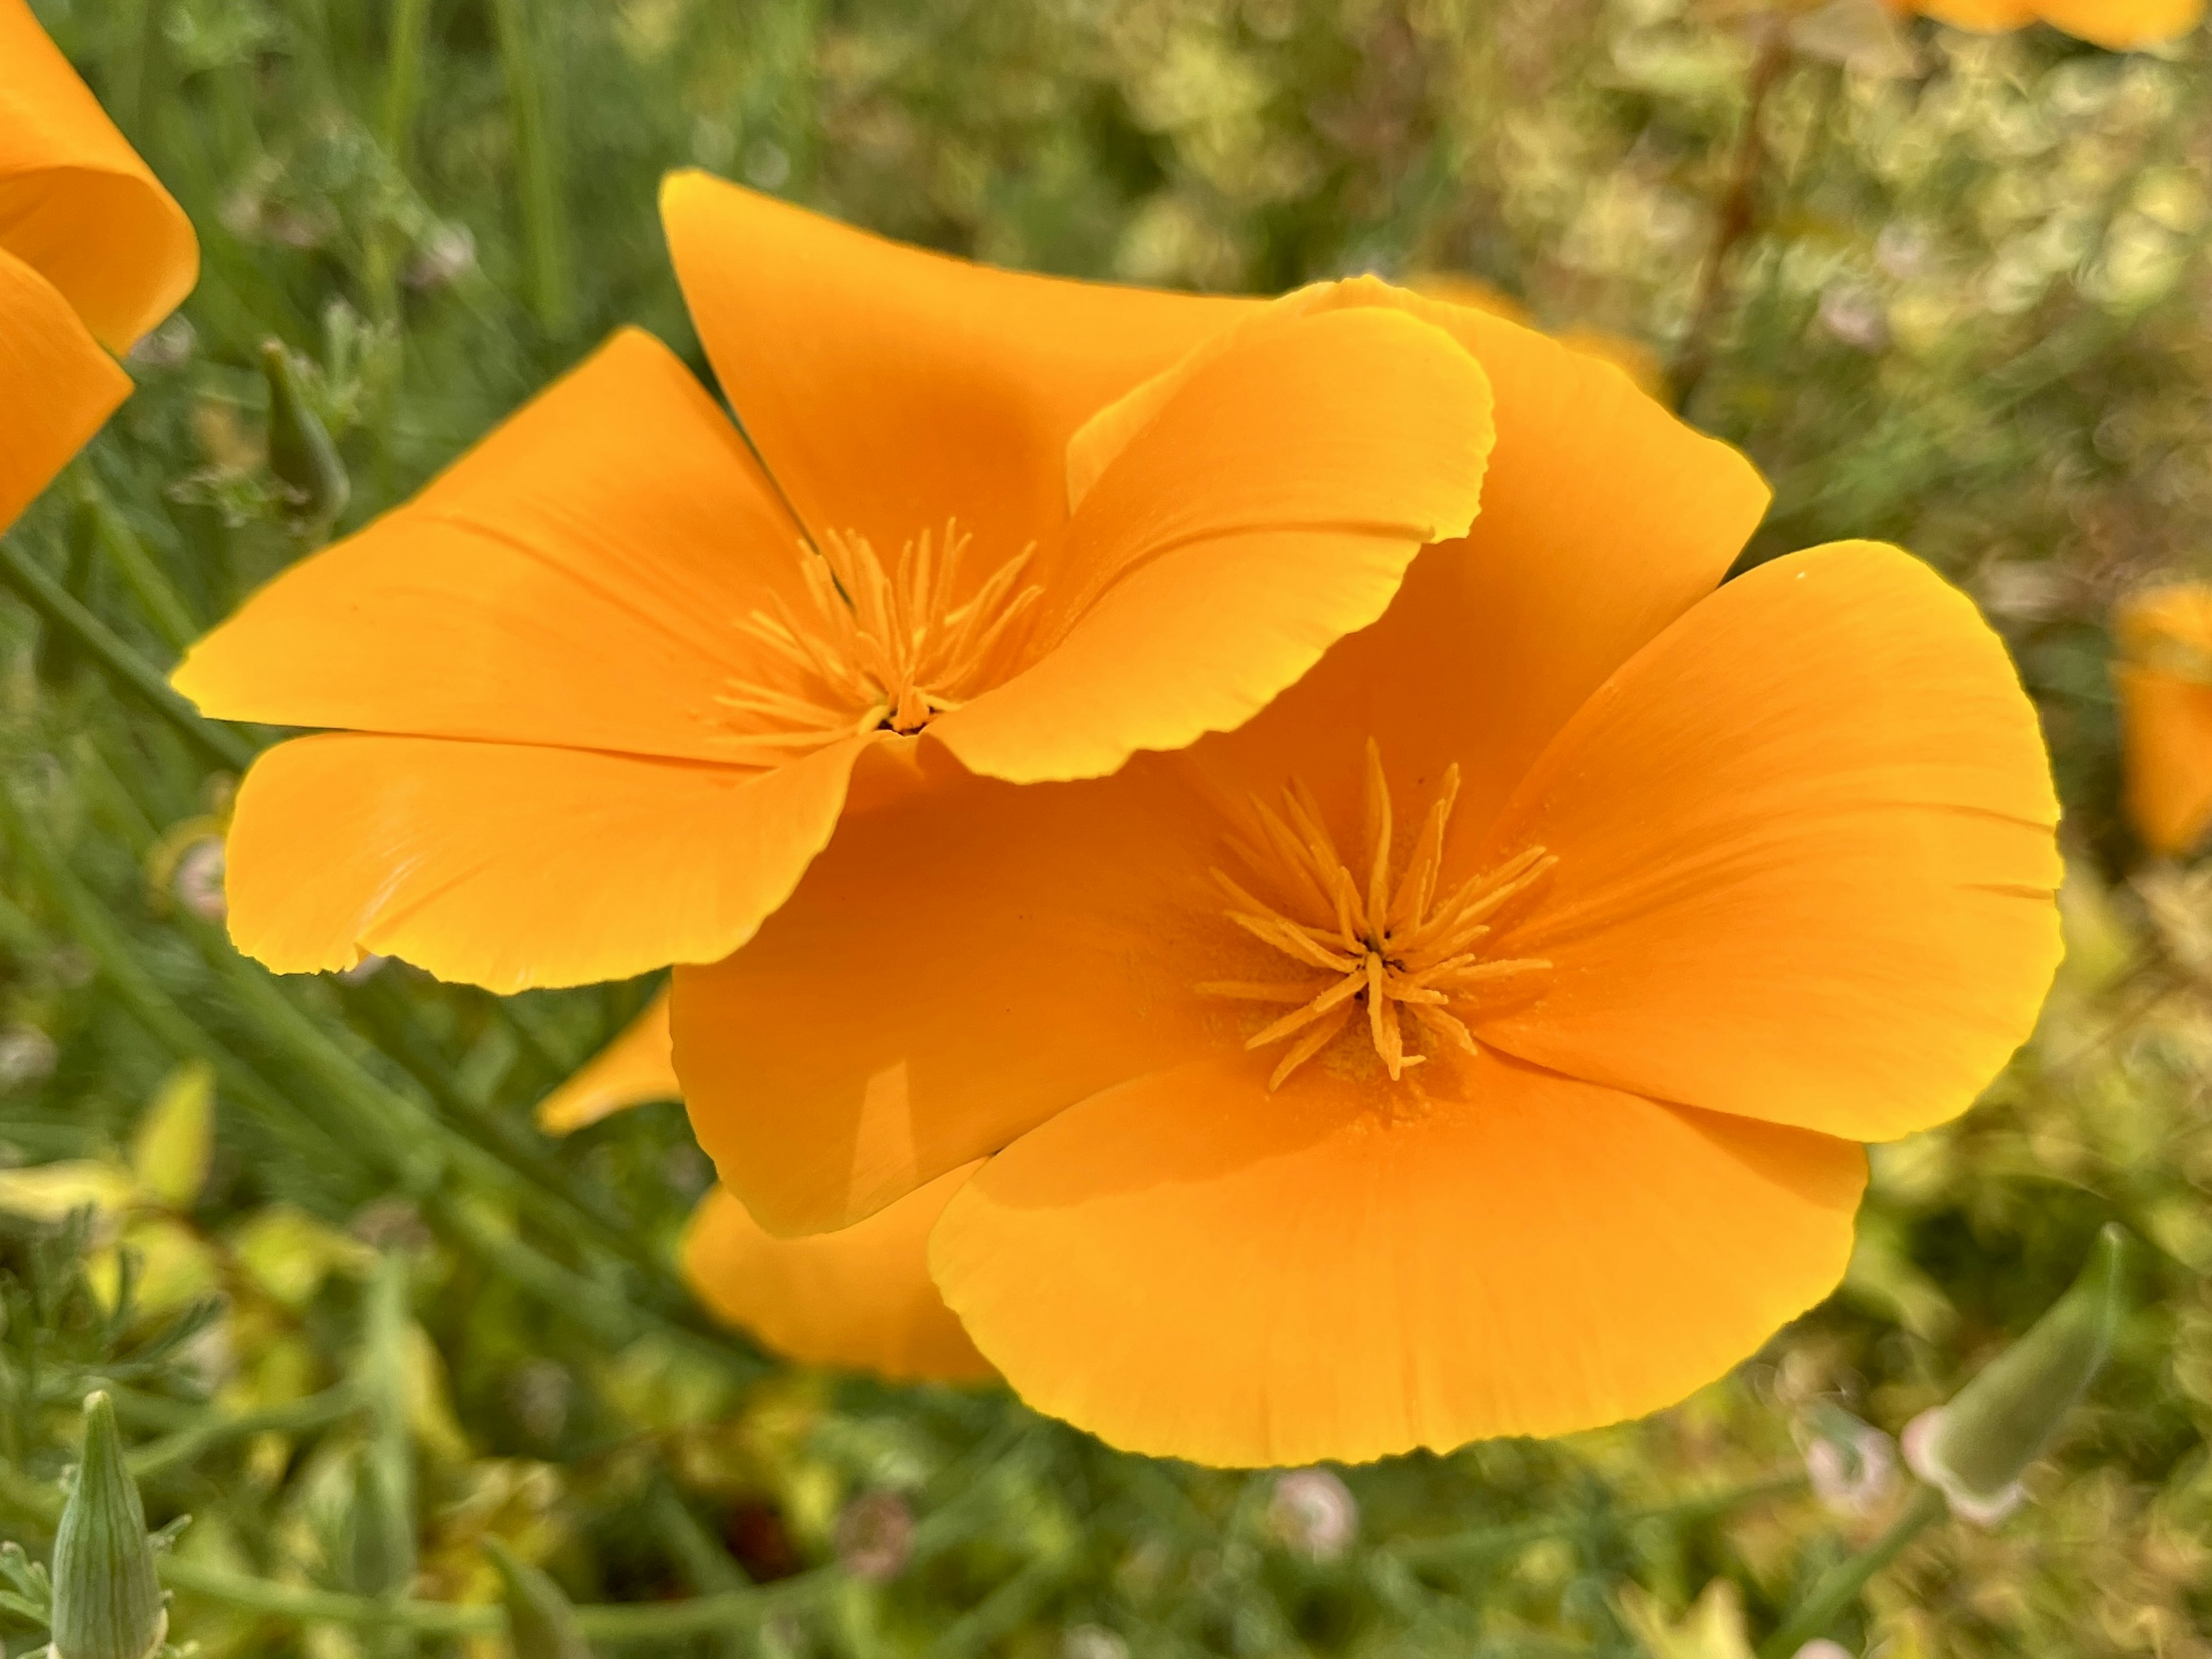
(872,648)
(1388,950)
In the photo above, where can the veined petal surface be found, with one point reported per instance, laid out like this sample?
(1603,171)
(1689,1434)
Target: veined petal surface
(510,866)
(1807,865)
(861,1298)
(889,388)
(1191,1266)
(574,579)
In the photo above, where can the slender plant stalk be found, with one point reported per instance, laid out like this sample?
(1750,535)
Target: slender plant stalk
(1738,214)
(124,666)
(1485,1541)
(175,1451)
(1840,1585)
(157,597)
(604,1622)
(544,210)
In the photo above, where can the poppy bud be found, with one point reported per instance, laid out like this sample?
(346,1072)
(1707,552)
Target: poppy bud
(540,1623)
(108,1597)
(378,1534)
(301,452)
(1974,1449)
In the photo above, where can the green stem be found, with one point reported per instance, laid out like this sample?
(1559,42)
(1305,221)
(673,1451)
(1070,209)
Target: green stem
(1462,1547)
(544,218)
(604,1622)
(158,1457)
(128,670)
(1840,1585)
(156,595)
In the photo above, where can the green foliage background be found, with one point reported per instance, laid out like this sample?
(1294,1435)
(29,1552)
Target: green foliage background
(1972,317)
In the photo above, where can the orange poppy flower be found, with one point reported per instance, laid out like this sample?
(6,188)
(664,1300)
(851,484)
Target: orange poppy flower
(2165,681)
(596,663)
(860,1299)
(92,253)
(1476,1041)
(1631,357)
(2120,25)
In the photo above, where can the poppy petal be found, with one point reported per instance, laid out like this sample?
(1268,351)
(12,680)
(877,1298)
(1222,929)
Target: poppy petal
(1268,506)
(638,1066)
(57,385)
(1806,857)
(573,580)
(890,389)
(1603,520)
(508,865)
(1190,1266)
(76,204)
(957,964)
(860,1299)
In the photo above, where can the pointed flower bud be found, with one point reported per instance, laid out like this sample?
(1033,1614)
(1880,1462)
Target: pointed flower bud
(1974,1449)
(108,1597)
(301,452)
(540,1623)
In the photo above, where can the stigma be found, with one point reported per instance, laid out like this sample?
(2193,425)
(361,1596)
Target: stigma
(877,646)
(1386,949)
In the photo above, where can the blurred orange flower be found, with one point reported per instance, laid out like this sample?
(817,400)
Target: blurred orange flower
(92,253)
(2121,24)
(860,1299)
(2165,679)
(599,694)
(1476,1042)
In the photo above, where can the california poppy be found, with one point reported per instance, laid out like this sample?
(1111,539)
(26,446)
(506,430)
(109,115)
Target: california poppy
(860,1299)
(599,692)
(92,253)
(1478,1040)
(2121,24)
(2165,679)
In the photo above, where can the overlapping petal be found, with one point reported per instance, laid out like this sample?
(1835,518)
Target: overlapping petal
(1603,520)
(861,1298)
(963,961)
(57,385)
(515,864)
(1806,857)
(889,388)
(76,204)
(572,580)
(1266,502)
(1192,1266)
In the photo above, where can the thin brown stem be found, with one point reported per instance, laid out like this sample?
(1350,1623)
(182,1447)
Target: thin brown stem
(1737,215)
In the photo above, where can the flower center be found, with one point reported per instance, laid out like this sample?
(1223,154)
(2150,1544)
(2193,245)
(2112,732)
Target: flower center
(1394,948)
(872,648)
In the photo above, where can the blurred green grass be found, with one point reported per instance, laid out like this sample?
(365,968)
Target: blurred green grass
(1972,318)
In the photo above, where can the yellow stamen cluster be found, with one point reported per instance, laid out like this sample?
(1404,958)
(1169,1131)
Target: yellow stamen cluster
(1398,948)
(872,647)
